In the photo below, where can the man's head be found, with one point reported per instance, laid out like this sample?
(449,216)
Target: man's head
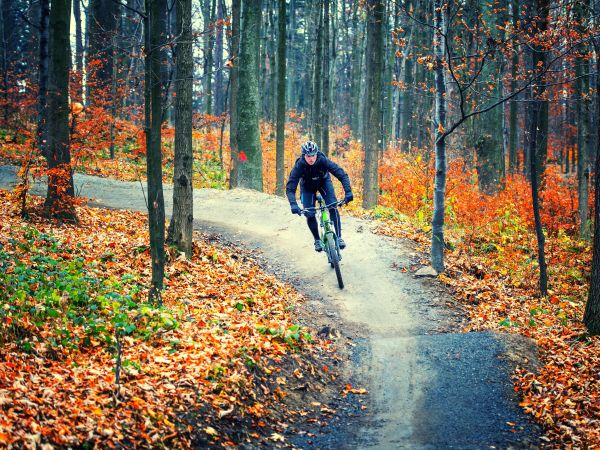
(309,150)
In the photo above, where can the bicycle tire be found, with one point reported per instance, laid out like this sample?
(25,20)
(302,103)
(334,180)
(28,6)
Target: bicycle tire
(335,261)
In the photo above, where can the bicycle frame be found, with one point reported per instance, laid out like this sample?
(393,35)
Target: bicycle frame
(327,230)
(328,236)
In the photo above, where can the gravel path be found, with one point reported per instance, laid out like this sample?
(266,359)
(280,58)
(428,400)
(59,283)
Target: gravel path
(429,386)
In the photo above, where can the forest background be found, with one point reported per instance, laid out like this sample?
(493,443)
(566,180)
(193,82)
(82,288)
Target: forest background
(471,127)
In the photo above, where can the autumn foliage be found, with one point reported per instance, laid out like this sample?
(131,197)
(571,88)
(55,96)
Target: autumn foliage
(491,260)
(85,361)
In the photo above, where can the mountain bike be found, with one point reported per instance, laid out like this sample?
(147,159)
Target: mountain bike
(328,236)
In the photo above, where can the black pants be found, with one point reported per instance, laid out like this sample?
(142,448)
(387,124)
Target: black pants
(309,199)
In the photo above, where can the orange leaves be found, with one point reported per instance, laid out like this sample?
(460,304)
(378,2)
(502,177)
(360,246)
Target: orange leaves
(491,267)
(217,362)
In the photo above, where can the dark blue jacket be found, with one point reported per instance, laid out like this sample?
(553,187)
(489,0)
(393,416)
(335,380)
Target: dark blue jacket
(312,178)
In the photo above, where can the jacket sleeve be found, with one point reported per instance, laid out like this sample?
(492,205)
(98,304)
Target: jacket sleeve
(292,184)
(340,174)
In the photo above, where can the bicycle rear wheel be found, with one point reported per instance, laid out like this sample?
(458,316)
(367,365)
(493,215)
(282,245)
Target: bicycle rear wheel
(335,262)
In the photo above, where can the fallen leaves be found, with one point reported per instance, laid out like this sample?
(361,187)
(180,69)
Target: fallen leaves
(214,366)
(496,285)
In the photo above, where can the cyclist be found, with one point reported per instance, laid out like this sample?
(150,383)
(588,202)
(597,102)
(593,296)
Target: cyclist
(312,171)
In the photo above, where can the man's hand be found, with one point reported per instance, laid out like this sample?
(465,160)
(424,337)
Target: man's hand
(296,209)
(349,197)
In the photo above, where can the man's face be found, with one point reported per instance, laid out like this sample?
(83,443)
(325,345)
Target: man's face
(310,159)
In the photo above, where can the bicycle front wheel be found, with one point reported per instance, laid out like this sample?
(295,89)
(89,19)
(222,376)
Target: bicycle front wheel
(335,261)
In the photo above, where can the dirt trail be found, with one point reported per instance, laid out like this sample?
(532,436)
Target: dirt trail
(429,387)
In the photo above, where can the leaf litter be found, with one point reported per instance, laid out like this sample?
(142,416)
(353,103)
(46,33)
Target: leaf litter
(223,362)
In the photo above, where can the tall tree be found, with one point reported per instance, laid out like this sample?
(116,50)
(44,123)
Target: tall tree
(234,52)
(42,102)
(208,11)
(281,75)
(219,83)
(317,80)
(154,30)
(57,152)
(102,29)
(591,317)
(405,100)
(583,117)
(249,174)
(357,58)
(372,131)
(536,123)
(182,220)
(513,160)
(78,44)
(488,139)
(326,103)
(439,193)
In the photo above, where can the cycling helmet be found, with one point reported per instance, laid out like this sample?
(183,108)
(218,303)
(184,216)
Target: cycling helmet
(310,148)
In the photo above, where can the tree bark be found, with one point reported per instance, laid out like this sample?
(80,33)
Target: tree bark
(583,137)
(537,126)
(182,220)
(78,48)
(317,99)
(155,31)
(233,87)
(234,82)
(513,160)
(591,317)
(219,84)
(439,193)
(60,193)
(281,75)
(103,27)
(372,131)
(326,104)
(357,58)
(250,173)
(42,126)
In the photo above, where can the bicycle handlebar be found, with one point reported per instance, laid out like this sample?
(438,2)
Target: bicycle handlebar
(320,208)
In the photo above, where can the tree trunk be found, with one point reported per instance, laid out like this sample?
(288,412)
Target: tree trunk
(326,104)
(406,103)
(248,105)
(281,75)
(234,82)
(5,63)
(155,31)
(210,61)
(583,137)
(270,48)
(317,99)
(103,27)
(59,197)
(513,160)
(293,81)
(78,48)
(591,317)
(534,113)
(372,131)
(356,71)
(182,220)
(537,130)
(439,193)
(219,84)
(42,126)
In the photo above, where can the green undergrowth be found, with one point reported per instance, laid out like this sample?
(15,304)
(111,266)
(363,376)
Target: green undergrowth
(54,300)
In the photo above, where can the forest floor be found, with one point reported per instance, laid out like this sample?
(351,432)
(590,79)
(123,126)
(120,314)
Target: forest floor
(393,369)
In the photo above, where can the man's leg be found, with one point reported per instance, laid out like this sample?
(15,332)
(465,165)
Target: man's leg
(308,200)
(328,194)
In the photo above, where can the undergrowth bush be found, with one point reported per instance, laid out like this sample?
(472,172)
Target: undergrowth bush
(54,301)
